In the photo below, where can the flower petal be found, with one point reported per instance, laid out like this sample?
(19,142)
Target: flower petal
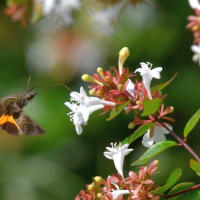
(108,155)
(79,129)
(94,108)
(83,92)
(70,106)
(145,66)
(75,96)
(156,72)
(117,193)
(159,137)
(147,141)
(130,87)
(84,111)
(119,162)
(160,129)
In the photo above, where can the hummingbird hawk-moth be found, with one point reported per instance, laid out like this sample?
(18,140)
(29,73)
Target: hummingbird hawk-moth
(12,118)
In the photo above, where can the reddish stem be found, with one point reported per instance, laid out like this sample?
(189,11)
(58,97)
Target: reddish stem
(182,142)
(183,191)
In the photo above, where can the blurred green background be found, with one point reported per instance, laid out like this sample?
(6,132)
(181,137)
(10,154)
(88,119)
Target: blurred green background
(59,163)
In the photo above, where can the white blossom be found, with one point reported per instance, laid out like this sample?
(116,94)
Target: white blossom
(194,4)
(196,50)
(80,114)
(154,135)
(148,74)
(83,99)
(130,87)
(117,154)
(82,106)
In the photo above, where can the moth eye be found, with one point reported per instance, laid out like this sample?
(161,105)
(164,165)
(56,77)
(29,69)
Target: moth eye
(16,115)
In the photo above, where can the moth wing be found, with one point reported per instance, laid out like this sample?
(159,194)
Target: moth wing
(9,124)
(28,126)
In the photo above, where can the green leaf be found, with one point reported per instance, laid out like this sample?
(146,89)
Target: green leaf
(179,187)
(116,111)
(195,165)
(173,178)
(154,150)
(162,85)
(191,123)
(139,132)
(151,106)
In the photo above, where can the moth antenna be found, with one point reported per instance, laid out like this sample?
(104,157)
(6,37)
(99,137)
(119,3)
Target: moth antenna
(36,86)
(28,83)
(55,86)
(65,86)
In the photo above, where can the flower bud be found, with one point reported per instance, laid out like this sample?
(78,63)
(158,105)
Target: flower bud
(171,109)
(120,87)
(99,93)
(98,179)
(156,162)
(131,125)
(137,102)
(92,92)
(100,71)
(123,55)
(100,196)
(91,187)
(88,78)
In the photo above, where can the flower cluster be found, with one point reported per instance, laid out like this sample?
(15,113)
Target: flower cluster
(194,26)
(137,186)
(114,90)
(116,86)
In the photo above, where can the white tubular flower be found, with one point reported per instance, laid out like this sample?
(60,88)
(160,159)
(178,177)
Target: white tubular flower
(194,4)
(154,135)
(77,116)
(117,154)
(83,99)
(117,193)
(196,51)
(148,74)
(80,114)
(82,107)
(130,87)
